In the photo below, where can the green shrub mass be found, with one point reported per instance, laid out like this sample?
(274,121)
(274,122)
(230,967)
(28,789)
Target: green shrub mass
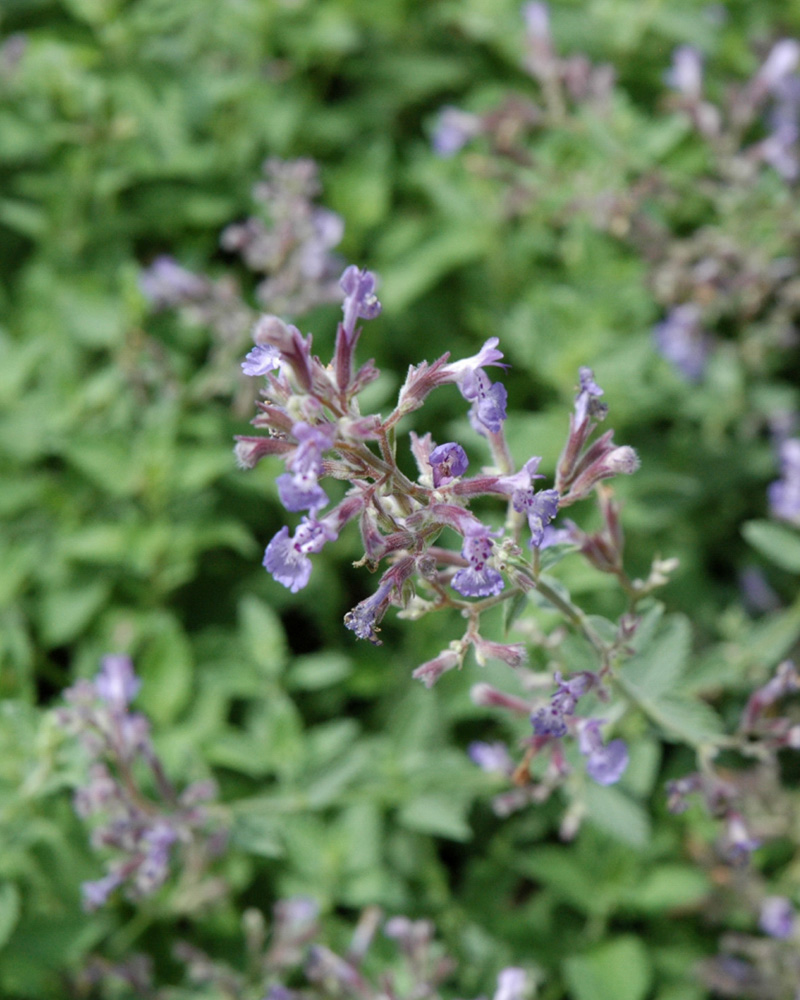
(132,129)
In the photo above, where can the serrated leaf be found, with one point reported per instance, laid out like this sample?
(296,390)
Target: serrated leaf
(617,970)
(776,542)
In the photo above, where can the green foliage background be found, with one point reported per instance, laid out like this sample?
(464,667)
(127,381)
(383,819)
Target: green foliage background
(130,129)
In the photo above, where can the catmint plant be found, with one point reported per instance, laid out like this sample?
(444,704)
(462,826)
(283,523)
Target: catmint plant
(143,834)
(316,427)
(291,951)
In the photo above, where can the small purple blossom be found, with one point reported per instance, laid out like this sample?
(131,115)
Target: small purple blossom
(680,339)
(512,984)
(488,410)
(287,558)
(589,392)
(605,763)
(116,684)
(540,509)
(166,284)
(360,300)
(737,841)
(777,917)
(550,721)
(448,461)
(299,489)
(261,360)
(781,62)
(784,493)
(493,758)
(478,579)
(686,73)
(453,131)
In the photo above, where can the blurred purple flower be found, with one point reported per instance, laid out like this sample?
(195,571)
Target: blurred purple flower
(777,917)
(680,338)
(453,131)
(605,763)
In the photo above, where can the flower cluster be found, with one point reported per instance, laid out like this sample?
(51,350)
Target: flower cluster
(314,423)
(292,952)
(142,833)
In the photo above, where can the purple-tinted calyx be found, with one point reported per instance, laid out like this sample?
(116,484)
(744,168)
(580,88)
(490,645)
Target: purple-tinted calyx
(448,462)
(605,762)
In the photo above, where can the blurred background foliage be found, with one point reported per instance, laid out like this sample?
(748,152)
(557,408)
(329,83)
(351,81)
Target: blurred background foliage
(134,129)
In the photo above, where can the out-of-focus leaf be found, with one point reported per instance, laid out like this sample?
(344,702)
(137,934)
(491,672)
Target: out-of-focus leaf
(777,542)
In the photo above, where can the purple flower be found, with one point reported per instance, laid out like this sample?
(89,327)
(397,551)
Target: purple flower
(116,684)
(365,616)
(586,400)
(491,757)
(540,509)
(478,579)
(681,340)
(299,489)
(453,131)
(287,558)
(550,721)
(261,360)
(784,494)
(780,63)
(605,763)
(512,984)
(448,461)
(777,917)
(488,410)
(738,843)
(360,301)
(95,894)
(686,73)
(166,284)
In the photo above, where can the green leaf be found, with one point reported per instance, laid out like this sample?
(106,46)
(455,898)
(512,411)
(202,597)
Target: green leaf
(318,670)
(65,613)
(659,665)
(669,886)
(692,721)
(610,809)
(263,636)
(9,910)
(617,970)
(778,543)
(257,833)
(438,815)
(166,668)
